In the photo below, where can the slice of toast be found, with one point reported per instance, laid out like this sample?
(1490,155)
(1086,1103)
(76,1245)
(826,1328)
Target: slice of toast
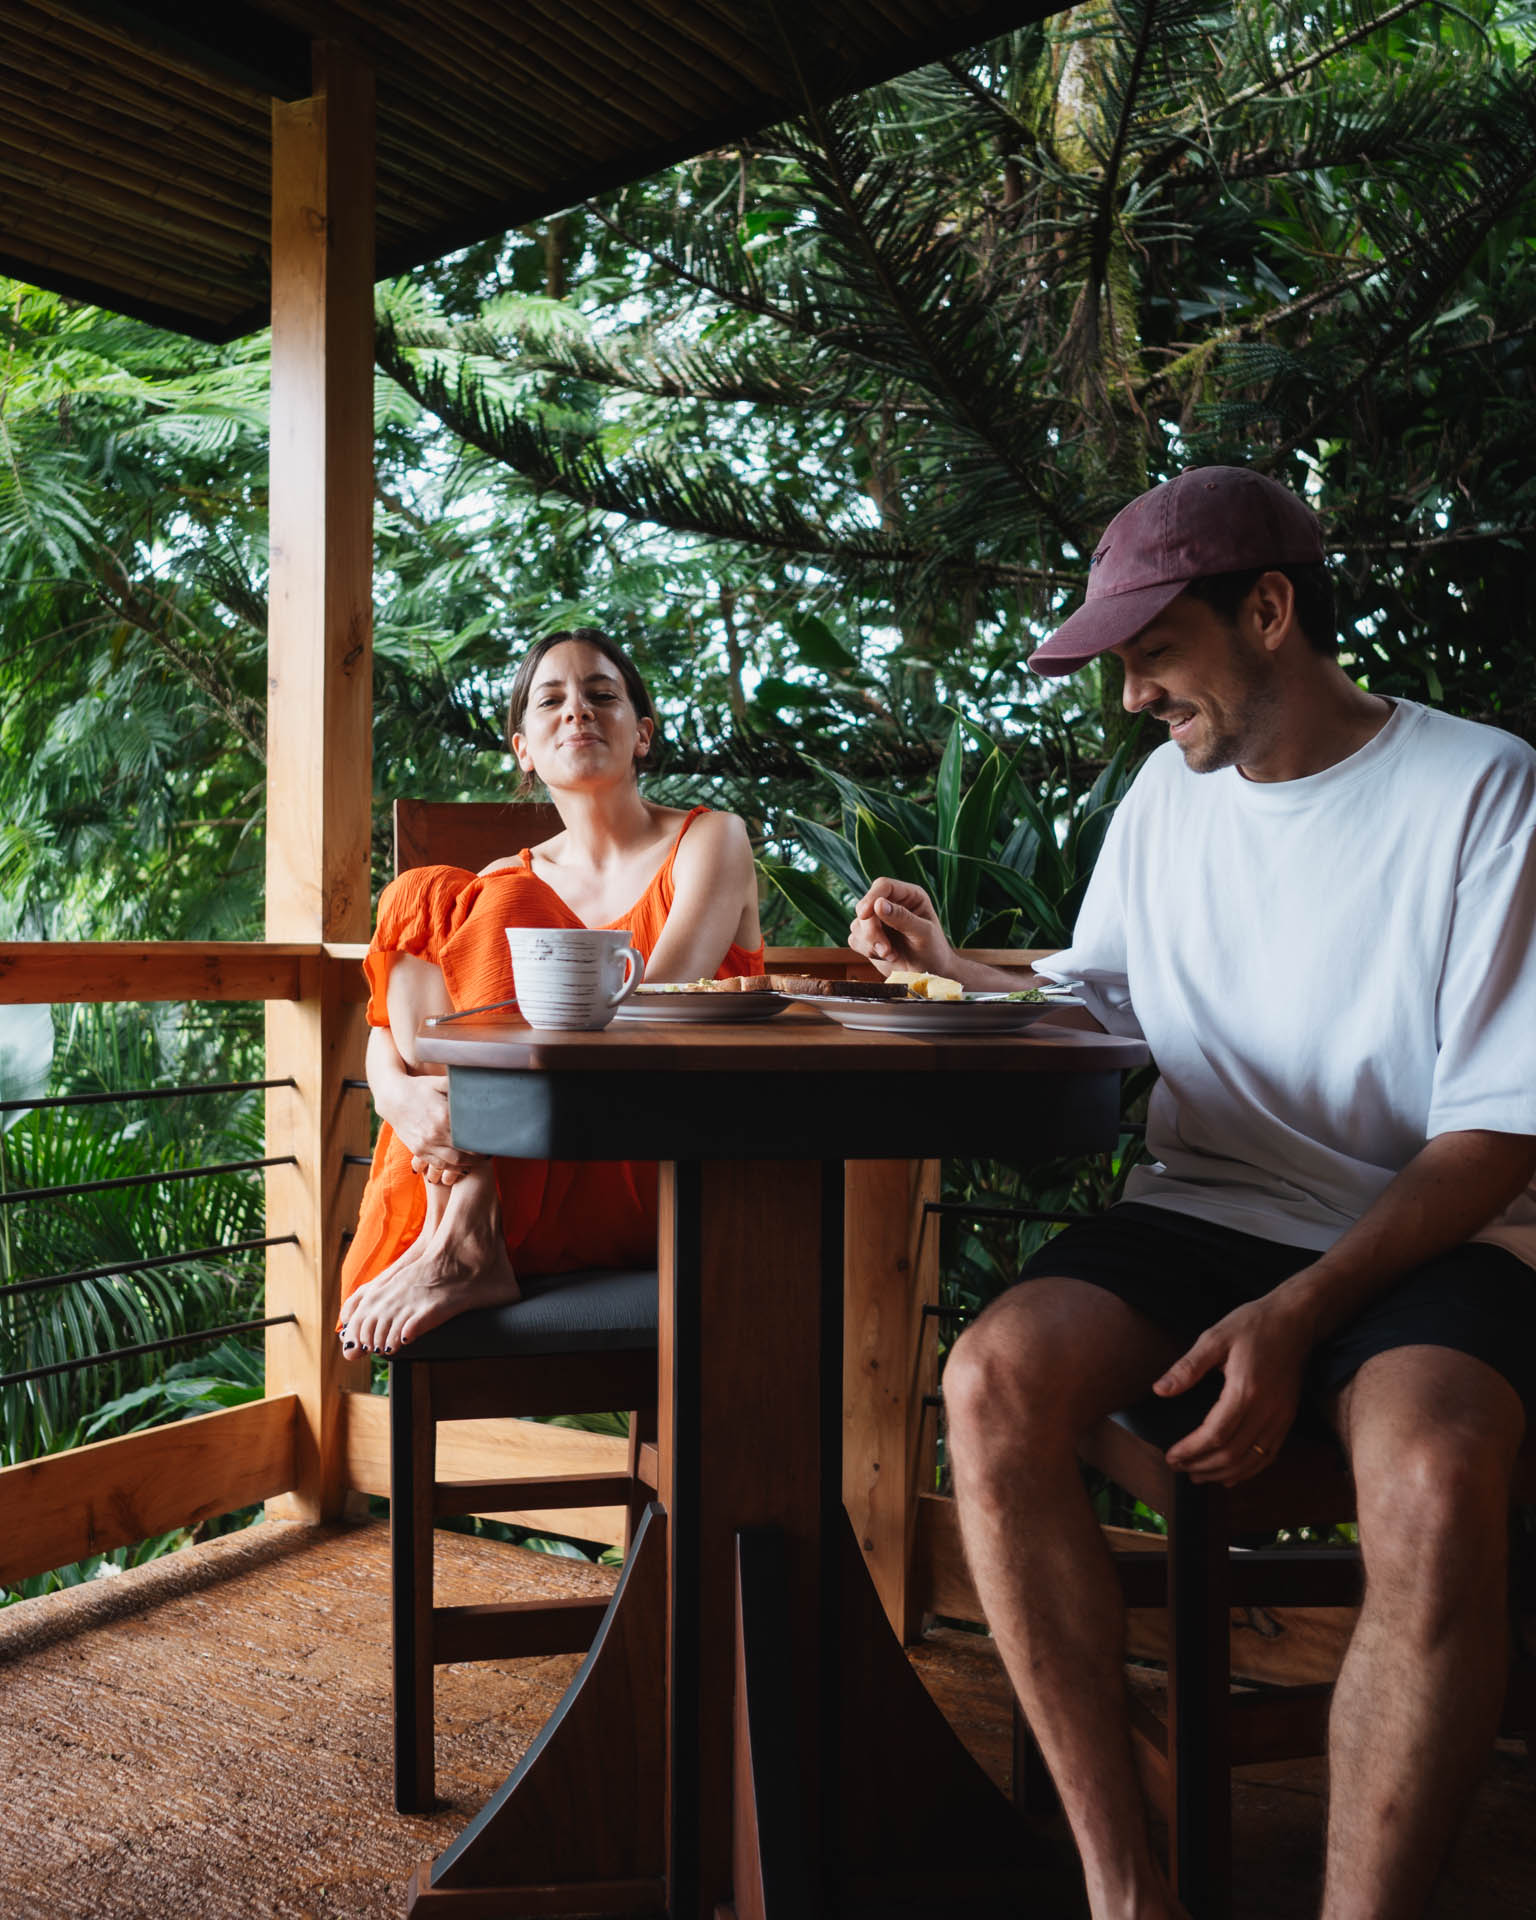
(809,984)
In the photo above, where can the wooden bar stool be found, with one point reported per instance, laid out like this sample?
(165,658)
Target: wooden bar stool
(575,1343)
(1208,1729)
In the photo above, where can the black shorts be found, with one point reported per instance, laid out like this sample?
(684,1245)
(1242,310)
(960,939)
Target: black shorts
(1185,1274)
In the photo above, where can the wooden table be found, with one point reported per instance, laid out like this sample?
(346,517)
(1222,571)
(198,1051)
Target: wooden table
(746,1737)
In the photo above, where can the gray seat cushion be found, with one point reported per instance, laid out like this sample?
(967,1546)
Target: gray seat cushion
(594,1311)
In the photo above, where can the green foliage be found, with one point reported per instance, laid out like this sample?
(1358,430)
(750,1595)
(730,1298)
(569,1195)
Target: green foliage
(823,425)
(227,1376)
(1004,865)
(101,1049)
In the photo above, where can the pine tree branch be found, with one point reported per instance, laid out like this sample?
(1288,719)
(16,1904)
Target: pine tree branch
(972,407)
(139,606)
(716,505)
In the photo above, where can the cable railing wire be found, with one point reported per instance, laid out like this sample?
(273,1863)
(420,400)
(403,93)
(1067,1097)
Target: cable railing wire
(142,1093)
(145,1179)
(145,1265)
(145,1346)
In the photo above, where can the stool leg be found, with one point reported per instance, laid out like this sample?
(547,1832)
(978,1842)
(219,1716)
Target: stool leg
(1199,1714)
(642,1432)
(412,1466)
(1034,1791)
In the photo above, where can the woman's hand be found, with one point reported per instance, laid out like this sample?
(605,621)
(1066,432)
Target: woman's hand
(415,1106)
(895,925)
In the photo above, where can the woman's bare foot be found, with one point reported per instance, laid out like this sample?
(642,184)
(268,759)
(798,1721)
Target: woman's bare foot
(459,1261)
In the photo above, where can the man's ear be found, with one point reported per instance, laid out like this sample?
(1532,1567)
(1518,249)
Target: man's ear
(1271,607)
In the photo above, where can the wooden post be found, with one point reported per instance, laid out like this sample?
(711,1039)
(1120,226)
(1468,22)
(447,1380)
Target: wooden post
(890,1362)
(319,718)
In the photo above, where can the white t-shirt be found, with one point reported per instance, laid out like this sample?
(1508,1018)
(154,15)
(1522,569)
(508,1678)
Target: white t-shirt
(1328,971)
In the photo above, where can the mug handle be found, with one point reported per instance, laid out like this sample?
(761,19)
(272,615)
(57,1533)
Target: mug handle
(634,973)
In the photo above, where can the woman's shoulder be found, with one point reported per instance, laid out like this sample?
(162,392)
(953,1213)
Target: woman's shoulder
(712,844)
(421,904)
(708,830)
(508,863)
(425,883)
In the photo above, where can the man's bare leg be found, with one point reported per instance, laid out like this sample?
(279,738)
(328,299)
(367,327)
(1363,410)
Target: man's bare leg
(1034,1372)
(1432,1437)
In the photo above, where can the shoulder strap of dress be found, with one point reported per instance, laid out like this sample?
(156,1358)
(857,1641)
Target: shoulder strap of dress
(656,901)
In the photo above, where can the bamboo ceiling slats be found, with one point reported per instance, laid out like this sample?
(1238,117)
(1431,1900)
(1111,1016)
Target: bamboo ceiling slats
(92,137)
(90,45)
(687,27)
(673,53)
(135,162)
(525,53)
(50,66)
(206,220)
(136,37)
(151,268)
(633,74)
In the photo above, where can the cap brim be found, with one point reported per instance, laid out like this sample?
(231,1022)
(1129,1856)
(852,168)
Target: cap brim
(1099,624)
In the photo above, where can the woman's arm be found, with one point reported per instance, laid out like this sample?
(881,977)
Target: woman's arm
(412,1094)
(714,901)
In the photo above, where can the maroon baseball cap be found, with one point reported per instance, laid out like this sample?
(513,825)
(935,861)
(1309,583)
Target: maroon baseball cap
(1208,520)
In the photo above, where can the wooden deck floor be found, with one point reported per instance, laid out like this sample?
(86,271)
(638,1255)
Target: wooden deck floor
(208,1737)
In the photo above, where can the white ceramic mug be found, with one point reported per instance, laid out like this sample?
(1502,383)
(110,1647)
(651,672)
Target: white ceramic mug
(572,976)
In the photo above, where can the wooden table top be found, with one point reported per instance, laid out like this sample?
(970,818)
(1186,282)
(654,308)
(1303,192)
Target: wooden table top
(799,1040)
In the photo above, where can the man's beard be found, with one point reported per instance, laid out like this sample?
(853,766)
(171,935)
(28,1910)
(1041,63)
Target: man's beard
(1234,734)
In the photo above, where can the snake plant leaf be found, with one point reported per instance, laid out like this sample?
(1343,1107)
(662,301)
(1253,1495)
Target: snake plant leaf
(971,842)
(1088,837)
(901,815)
(1020,849)
(1044,918)
(948,789)
(884,850)
(1049,863)
(811,899)
(997,930)
(831,851)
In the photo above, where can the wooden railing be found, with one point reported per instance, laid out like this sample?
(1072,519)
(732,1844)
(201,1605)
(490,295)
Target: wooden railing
(316,1444)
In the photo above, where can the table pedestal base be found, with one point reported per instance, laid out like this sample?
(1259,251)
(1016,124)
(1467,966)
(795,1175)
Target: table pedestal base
(578,1829)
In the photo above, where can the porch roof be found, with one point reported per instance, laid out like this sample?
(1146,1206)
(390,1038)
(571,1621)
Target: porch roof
(135,138)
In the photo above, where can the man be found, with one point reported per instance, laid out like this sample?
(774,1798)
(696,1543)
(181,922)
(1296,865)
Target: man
(1318,907)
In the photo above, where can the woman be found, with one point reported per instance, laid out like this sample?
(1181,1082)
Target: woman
(440,1230)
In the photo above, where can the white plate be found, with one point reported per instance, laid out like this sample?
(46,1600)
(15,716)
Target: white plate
(983,1014)
(701,1009)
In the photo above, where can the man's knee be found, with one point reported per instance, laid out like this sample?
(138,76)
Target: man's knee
(1041,1364)
(1434,1518)
(988,1376)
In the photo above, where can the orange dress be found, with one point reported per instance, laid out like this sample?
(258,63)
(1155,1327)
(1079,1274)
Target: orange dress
(558,1215)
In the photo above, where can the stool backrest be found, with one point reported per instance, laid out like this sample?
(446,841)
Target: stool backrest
(468,833)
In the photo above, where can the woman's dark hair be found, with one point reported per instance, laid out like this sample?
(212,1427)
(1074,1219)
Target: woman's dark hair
(634,686)
(1312,583)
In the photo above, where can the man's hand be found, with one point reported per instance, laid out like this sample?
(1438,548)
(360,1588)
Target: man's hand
(1262,1350)
(895,925)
